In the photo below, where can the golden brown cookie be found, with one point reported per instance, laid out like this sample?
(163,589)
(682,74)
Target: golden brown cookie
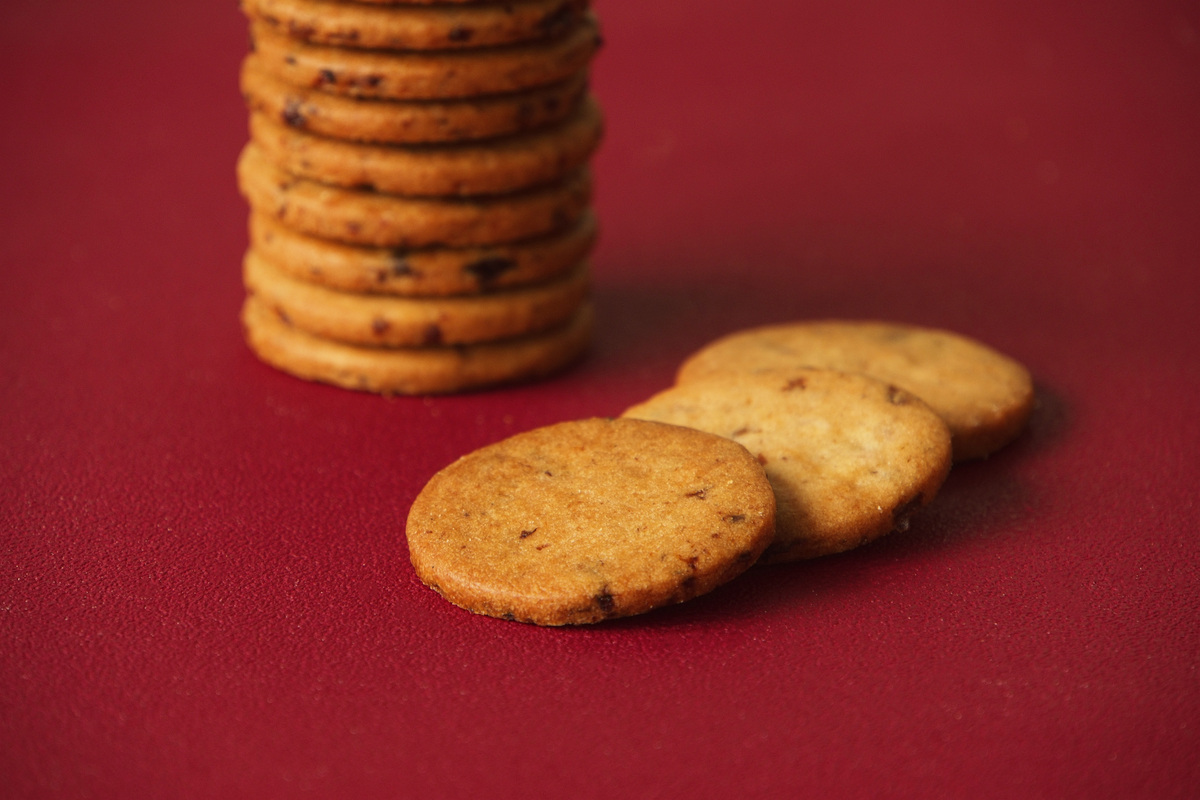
(426,272)
(985,397)
(460,169)
(419,27)
(406,3)
(421,2)
(590,520)
(384,220)
(387,320)
(412,370)
(408,122)
(849,457)
(426,75)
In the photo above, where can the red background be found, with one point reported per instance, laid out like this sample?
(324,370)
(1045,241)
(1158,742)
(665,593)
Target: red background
(204,586)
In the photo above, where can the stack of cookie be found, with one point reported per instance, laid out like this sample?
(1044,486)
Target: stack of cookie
(417,175)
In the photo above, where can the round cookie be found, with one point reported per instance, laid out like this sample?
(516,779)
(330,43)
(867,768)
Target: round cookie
(426,75)
(461,169)
(590,520)
(849,457)
(383,220)
(421,273)
(408,122)
(412,370)
(420,2)
(984,397)
(386,320)
(423,27)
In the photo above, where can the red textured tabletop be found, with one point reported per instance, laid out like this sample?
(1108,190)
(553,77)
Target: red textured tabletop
(204,583)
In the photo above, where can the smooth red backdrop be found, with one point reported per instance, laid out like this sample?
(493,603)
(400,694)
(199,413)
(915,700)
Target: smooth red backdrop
(204,586)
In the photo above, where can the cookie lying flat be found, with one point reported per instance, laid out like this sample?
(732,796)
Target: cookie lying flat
(849,457)
(984,397)
(426,27)
(432,75)
(421,273)
(460,169)
(408,122)
(384,220)
(590,520)
(412,370)
(385,320)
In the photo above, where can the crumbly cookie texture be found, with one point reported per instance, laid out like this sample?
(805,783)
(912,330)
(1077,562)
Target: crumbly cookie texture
(412,370)
(427,272)
(984,397)
(850,458)
(386,220)
(408,122)
(589,520)
(390,321)
(417,27)
(449,170)
(426,75)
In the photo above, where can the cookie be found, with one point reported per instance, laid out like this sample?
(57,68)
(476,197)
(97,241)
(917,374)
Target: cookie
(426,272)
(412,370)
(406,3)
(426,75)
(423,27)
(419,2)
(590,520)
(408,122)
(402,321)
(850,458)
(462,169)
(384,220)
(985,397)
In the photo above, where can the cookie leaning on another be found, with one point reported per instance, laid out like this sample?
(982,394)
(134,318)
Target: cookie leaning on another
(849,457)
(590,520)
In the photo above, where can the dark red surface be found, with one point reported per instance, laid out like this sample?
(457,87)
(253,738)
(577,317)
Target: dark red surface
(204,587)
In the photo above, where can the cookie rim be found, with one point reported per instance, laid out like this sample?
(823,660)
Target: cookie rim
(870,520)
(1005,417)
(431,26)
(458,169)
(392,321)
(414,370)
(606,598)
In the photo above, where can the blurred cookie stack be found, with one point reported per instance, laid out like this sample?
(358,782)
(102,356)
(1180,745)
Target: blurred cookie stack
(417,175)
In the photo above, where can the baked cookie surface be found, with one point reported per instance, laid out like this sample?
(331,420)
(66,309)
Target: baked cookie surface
(385,320)
(407,122)
(428,272)
(412,370)
(984,397)
(590,520)
(426,75)
(416,27)
(443,170)
(385,220)
(849,457)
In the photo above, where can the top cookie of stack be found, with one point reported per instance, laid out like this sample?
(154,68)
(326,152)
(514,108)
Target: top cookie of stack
(417,175)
